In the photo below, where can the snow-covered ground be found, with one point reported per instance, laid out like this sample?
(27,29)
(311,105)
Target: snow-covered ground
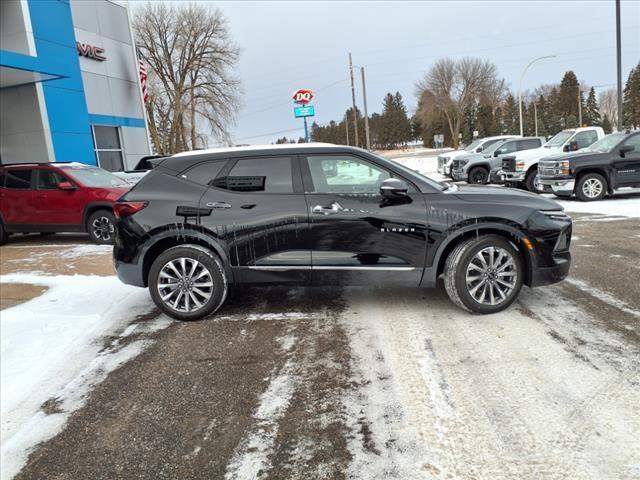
(52,351)
(623,205)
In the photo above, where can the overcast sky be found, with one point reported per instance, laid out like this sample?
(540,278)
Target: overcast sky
(290,45)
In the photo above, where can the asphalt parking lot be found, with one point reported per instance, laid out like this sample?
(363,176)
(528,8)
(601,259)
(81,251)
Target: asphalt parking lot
(310,383)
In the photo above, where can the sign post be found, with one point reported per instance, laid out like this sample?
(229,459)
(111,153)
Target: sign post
(303,98)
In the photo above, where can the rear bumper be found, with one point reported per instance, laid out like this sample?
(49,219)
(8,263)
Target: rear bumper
(556,273)
(129,273)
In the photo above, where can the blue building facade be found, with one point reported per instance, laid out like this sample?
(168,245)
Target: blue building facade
(69,84)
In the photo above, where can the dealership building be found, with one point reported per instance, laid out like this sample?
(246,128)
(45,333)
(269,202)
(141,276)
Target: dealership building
(70,84)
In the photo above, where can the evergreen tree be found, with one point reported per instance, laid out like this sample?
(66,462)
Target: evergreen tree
(567,100)
(591,114)
(631,102)
(510,122)
(606,124)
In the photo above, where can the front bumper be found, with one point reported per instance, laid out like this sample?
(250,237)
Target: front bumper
(459,174)
(496,177)
(560,187)
(444,169)
(548,275)
(512,176)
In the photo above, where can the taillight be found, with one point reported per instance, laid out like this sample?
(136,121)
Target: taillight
(124,209)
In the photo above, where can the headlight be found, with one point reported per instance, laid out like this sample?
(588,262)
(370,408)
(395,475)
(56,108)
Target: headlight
(519,166)
(555,214)
(564,167)
(463,162)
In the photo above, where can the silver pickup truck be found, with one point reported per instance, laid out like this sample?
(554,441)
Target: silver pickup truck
(476,167)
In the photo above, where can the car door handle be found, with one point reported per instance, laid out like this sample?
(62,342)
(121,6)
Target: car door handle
(331,210)
(218,205)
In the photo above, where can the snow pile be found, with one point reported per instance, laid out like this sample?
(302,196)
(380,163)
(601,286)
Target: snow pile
(51,350)
(628,206)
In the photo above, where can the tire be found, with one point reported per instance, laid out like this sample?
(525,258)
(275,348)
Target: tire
(4,236)
(176,304)
(591,187)
(469,295)
(101,227)
(532,184)
(47,234)
(478,175)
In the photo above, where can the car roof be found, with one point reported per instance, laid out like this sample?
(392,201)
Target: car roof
(253,148)
(47,164)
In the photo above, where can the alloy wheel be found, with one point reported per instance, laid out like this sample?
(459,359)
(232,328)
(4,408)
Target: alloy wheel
(103,228)
(592,188)
(491,276)
(185,284)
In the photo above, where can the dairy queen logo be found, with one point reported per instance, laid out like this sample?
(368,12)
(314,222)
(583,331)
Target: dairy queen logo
(302,96)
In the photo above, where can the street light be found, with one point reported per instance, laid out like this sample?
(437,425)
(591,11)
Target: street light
(520,86)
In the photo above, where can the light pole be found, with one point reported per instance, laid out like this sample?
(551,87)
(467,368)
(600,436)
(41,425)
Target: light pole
(520,87)
(366,113)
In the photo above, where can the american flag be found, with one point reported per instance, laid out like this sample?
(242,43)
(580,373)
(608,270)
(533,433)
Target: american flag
(143,81)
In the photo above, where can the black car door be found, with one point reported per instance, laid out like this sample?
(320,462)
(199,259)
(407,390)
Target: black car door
(627,168)
(257,205)
(357,237)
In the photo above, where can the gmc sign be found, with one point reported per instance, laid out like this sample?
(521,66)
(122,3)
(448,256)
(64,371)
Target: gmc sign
(86,50)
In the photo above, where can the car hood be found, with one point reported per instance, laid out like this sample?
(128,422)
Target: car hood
(510,196)
(534,153)
(471,156)
(454,154)
(577,156)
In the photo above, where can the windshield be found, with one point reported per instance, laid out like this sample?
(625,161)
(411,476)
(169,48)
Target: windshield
(473,145)
(493,147)
(560,138)
(95,177)
(606,144)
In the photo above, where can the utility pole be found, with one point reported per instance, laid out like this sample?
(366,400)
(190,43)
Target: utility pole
(619,59)
(535,115)
(346,127)
(353,98)
(579,107)
(366,113)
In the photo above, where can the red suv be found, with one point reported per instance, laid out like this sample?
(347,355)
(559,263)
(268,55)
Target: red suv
(58,197)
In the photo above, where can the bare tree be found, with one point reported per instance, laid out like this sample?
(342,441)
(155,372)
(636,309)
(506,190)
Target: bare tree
(608,103)
(190,55)
(456,87)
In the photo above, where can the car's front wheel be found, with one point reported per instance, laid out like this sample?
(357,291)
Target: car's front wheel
(101,227)
(188,282)
(4,236)
(479,175)
(484,275)
(532,182)
(591,186)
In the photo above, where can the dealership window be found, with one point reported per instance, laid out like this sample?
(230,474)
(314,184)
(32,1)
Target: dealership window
(108,148)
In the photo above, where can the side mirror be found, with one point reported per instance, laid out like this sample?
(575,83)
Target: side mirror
(626,149)
(495,154)
(479,149)
(393,187)
(573,146)
(68,186)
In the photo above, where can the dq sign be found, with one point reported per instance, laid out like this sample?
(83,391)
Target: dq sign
(302,96)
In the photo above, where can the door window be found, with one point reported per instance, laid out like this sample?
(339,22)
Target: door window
(49,180)
(264,175)
(508,147)
(345,174)
(18,179)
(529,143)
(634,141)
(586,138)
(205,173)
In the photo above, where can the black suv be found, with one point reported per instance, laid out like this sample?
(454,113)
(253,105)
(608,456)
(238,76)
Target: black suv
(593,172)
(202,222)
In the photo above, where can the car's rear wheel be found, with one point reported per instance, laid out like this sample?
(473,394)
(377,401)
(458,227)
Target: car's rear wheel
(484,275)
(479,175)
(188,282)
(101,227)
(591,186)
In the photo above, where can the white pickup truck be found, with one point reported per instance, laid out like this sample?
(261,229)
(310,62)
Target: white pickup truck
(445,161)
(522,168)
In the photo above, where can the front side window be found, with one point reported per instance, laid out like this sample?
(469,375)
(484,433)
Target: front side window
(18,179)
(265,175)
(345,174)
(584,139)
(528,144)
(49,180)
(634,141)
(108,148)
(508,147)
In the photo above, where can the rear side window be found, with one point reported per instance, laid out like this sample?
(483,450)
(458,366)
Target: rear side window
(49,180)
(205,173)
(529,143)
(18,179)
(586,138)
(265,175)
